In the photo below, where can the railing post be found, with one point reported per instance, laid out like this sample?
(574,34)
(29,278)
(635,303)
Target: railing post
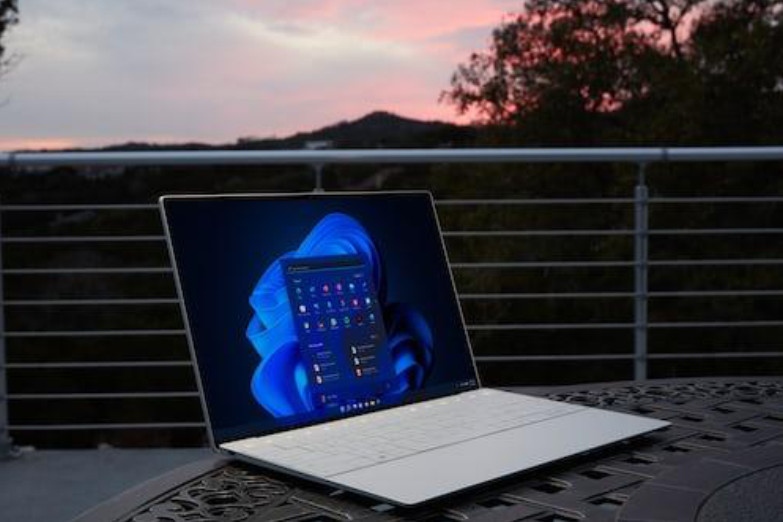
(318,169)
(5,439)
(641,222)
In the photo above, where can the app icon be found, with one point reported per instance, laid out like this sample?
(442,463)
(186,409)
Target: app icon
(329,305)
(353,350)
(325,288)
(333,322)
(342,409)
(312,289)
(319,379)
(347,320)
(298,291)
(358,372)
(371,317)
(359,319)
(316,306)
(306,325)
(321,324)
(302,309)
(367,300)
(316,368)
(356,361)
(338,287)
(354,302)
(342,303)
(351,287)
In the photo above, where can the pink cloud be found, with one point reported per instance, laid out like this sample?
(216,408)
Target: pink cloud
(36,143)
(423,20)
(401,20)
(271,67)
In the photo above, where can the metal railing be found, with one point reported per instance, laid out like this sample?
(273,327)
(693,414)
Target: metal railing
(640,263)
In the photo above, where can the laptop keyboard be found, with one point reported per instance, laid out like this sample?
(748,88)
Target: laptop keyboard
(383,436)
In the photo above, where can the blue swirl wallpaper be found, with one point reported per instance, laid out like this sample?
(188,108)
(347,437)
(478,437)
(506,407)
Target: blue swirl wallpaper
(312,307)
(280,383)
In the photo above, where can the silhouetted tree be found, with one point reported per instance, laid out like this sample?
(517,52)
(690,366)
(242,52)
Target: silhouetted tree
(9,16)
(583,72)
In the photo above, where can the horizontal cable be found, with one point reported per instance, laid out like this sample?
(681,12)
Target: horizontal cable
(90,302)
(466,297)
(440,202)
(621,357)
(88,271)
(460,233)
(447,234)
(472,327)
(101,395)
(456,265)
(717,199)
(615,295)
(715,262)
(598,326)
(553,358)
(536,233)
(547,326)
(491,358)
(65,208)
(546,295)
(712,231)
(715,355)
(92,333)
(95,364)
(82,239)
(717,293)
(533,201)
(107,426)
(715,324)
(541,264)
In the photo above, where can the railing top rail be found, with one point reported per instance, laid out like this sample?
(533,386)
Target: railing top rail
(316,157)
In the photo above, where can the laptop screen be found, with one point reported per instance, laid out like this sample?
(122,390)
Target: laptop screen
(313,307)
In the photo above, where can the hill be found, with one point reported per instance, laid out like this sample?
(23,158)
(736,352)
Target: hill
(374,130)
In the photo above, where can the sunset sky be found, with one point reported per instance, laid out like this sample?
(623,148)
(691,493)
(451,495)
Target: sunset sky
(94,72)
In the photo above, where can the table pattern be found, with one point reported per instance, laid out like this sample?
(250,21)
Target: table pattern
(722,459)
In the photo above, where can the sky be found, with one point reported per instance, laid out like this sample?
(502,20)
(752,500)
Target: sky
(97,72)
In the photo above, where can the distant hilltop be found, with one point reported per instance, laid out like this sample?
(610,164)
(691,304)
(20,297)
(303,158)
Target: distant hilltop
(374,130)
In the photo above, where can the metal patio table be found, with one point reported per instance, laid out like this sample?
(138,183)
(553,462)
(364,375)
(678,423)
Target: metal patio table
(721,460)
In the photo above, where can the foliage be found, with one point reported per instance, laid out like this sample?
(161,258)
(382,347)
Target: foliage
(9,16)
(630,72)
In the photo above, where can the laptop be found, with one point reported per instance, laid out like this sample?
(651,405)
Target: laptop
(329,344)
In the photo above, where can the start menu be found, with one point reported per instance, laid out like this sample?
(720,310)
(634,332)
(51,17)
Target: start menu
(339,324)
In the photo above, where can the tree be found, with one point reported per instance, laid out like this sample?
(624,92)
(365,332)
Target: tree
(584,72)
(9,16)
(736,51)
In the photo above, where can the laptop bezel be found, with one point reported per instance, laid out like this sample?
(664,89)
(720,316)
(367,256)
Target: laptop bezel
(162,201)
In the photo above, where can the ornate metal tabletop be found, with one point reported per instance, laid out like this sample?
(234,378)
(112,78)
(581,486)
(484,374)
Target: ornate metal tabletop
(722,459)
